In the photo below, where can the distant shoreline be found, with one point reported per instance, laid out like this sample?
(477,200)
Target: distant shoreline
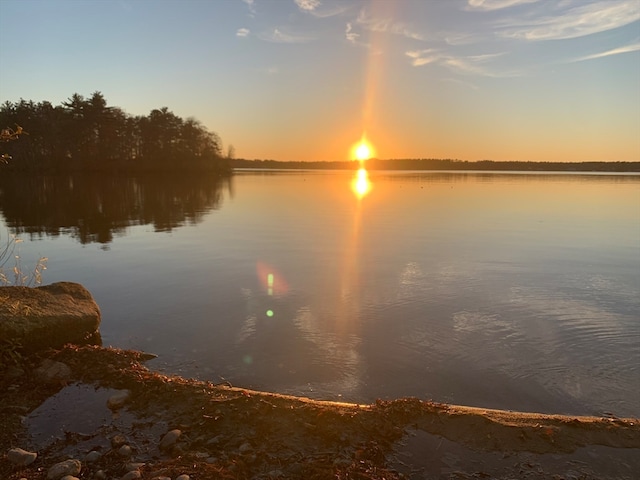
(440,165)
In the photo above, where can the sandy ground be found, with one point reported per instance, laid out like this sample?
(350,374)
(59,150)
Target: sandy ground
(229,432)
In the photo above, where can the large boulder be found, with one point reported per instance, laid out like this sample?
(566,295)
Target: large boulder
(48,316)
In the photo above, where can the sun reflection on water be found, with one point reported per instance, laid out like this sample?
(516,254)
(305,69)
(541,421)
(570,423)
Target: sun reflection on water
(361,185)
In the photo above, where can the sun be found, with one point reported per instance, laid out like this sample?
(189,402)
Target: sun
(363,150)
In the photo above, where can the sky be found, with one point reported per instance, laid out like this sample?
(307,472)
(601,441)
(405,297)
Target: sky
(303,80)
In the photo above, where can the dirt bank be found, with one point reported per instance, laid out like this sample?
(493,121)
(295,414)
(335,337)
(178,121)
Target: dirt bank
(228,432)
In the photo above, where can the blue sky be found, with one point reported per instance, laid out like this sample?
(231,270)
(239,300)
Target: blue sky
(303,79)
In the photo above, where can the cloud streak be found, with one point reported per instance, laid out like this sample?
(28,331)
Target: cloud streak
(470,64)
(387,25)
(488,5)
(307,5)
(577,21)
(278,36)
(243,32)
(634,47)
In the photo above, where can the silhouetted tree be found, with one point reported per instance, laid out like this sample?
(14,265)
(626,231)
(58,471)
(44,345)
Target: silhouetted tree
(86,133)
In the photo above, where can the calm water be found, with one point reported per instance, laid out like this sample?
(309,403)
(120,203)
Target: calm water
(517,291)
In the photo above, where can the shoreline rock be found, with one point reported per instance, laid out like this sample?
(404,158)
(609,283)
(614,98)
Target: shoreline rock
(48,316)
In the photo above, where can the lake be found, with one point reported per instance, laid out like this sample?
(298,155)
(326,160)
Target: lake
(500,290)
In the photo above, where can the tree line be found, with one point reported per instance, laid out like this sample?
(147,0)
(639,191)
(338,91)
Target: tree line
(87,134)
(445,164)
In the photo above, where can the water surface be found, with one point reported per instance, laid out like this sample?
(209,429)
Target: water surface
(517,291)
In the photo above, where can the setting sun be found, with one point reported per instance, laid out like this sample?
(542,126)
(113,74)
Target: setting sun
(362,150)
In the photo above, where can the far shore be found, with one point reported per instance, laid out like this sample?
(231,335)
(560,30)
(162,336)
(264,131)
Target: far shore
(428,164)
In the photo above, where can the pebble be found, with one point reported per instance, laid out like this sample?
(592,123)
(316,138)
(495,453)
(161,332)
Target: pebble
(215,440)
(182,477)
(134,466)
(118,400)
(100,475)
(125,451)
(132,475)
(245,447)
(69,477)
(169,439)
(68,467)
(21,457)
(118,440)
(92,456)
(52,372)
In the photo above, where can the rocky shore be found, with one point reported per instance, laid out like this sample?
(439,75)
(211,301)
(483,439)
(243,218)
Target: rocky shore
(130,422)
(182,429)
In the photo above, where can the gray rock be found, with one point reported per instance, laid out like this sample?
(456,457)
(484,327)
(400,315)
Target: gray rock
(125,451)
(51,371)
(117,400)
(21,457)
(100,475)
(48,316)
(245,447)
(68,467)
(129,467)
(170,439)
(92,456)
(215,440)
(132,475)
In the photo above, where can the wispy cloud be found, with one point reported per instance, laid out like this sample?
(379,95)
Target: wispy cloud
(252,6)
(423,57)
(354,38)
(488,5)
(470,64)
(387,25)
(243,32)
(308,5)
(634,47)
(317,9)
(350,34)
(575,21)
(278,36)
(475,65)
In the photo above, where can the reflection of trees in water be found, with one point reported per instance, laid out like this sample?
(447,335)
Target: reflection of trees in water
(94,208)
